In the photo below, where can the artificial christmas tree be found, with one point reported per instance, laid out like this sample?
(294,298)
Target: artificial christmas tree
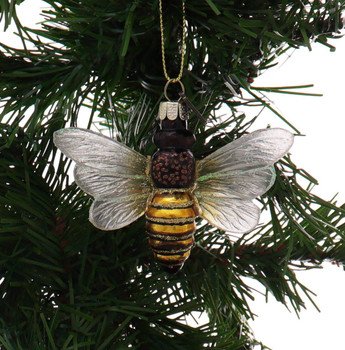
(66,284)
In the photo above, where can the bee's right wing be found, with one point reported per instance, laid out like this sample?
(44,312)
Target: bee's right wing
(231,177)
(114,174)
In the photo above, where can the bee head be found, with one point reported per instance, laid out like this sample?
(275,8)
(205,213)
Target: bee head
(173,131)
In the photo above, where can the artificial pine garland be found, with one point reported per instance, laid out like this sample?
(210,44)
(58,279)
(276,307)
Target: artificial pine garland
(65,284)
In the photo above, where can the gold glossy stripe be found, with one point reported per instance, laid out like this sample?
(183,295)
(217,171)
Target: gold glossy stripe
(169,198)
(171,229)
(170,213)
(173,259)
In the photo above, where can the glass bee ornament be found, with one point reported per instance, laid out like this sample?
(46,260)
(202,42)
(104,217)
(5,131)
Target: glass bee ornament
(171,188)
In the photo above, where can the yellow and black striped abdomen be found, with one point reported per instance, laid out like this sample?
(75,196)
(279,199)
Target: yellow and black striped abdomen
(171,225)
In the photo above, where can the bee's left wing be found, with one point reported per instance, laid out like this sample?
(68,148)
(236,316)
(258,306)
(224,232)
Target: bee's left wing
(114,174)
(231,177)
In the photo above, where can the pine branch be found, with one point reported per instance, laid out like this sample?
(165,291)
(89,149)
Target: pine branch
(71,58)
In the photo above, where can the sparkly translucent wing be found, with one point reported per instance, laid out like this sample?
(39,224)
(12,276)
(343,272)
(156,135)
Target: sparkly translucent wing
(230,214)
(232,176)
(114,174)
(119,199)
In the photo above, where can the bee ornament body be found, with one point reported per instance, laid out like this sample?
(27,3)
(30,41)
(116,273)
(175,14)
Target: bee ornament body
(170,216)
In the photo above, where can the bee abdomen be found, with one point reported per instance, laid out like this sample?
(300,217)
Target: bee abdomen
(170,226)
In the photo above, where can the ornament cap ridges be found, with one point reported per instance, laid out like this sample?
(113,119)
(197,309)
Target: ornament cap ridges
(172,110)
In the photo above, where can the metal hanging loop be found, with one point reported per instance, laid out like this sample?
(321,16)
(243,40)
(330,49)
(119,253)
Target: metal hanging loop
(173,81)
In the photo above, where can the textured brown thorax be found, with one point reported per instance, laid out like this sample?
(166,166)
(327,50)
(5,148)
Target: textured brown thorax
(173,164)
(170,215)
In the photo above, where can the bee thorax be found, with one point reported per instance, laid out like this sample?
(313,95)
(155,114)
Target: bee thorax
(173,169)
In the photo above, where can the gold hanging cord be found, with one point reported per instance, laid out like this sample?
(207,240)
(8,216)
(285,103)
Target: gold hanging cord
(183,97)
(178,78)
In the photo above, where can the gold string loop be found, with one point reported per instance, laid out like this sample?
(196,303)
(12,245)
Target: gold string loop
(178,78)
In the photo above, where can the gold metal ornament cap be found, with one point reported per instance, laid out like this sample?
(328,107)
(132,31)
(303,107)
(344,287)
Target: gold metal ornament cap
(172,110)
